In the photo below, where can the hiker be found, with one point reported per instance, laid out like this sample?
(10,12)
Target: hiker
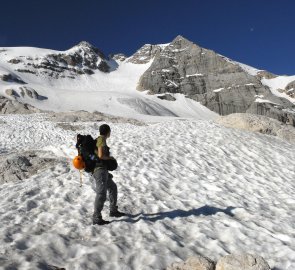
(102,180)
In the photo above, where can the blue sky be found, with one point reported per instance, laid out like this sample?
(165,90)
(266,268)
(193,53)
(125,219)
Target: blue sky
(255,32)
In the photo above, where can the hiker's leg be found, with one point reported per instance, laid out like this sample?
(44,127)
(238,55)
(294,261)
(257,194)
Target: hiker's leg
(101,179)
(113,193)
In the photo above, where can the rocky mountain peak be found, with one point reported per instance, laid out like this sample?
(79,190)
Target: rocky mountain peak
(181,42)
(180,38)
(87,48)
(85,44)
(83,58)
(145,54)
(209,78)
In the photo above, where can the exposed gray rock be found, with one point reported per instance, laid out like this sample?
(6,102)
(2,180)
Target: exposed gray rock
(290,89)
(265,74)
(278,109)
(12,93)
(145,54)
(76,116)
(32,93)
(194,263)
(88,71)
(201,74)
(19,166)
(258,123)
(291,85)
(15,61)
(22,70)
(11,78)
(118,57)
(167,97)
(25,91)
(83,116)
(81,59)
(68,126)
(242,262)
(12,106)
(103,66)
(84,54)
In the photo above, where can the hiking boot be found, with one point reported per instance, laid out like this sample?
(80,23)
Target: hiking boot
(101,222)
(97,220)
(116,213)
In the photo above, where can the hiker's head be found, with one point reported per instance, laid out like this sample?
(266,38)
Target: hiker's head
(105,130)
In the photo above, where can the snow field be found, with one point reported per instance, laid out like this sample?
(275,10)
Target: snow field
(191,187)
(278,83)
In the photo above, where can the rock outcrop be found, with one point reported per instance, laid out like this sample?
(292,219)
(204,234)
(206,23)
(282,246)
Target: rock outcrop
(19,166)
(81,59)
(145,54)
(242,262)
(83,116)
(31,93)
(194,263)
(13,106)
(290,89)
(259,123)
(265,74)
(11,93)
(118,57)
(11,78)
(209,78)
(24,92)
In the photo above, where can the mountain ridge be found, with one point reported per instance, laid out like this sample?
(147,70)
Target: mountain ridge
(179,67)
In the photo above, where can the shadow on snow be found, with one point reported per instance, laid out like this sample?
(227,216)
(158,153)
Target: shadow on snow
(202,211)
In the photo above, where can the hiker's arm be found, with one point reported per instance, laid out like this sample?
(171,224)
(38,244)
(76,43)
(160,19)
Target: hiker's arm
(101,154)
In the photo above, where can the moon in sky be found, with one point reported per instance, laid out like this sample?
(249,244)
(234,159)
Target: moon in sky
(251,29)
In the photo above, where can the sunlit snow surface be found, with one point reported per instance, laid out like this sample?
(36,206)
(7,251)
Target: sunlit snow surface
(190,187)
(279,83)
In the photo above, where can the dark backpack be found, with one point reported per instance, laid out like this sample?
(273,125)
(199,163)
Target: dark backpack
(86,148)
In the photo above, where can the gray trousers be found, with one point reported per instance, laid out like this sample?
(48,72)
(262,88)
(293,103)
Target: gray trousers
(101,183)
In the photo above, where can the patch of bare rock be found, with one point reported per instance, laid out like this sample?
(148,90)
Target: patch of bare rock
(20,166)
(242,261)
(259,123)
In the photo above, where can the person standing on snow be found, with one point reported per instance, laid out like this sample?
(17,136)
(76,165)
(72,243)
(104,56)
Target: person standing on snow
(102,180)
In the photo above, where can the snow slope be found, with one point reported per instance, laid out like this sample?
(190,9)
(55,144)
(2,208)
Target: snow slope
(113,93)
(190,186)
(251,70)
(277,83)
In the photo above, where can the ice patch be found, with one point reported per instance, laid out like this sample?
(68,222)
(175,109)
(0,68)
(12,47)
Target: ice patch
(218,90)
(195,75)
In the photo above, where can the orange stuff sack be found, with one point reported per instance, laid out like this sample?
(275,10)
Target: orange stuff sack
(78,163)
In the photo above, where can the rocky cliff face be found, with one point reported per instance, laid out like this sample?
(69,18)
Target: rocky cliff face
(213,80)
(145,54)
(290,89)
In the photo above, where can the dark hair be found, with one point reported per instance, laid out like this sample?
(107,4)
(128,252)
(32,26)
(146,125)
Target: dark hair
(104,129)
